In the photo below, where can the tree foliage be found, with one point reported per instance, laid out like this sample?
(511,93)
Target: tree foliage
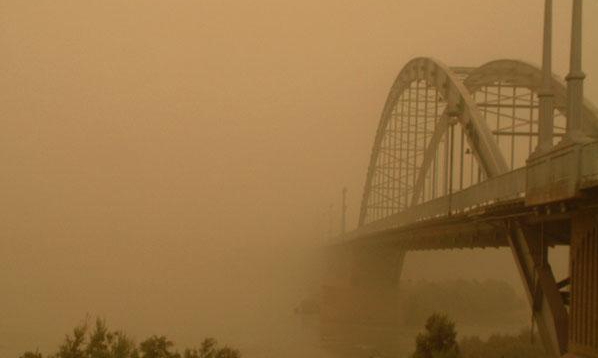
(101,342)
(439,339)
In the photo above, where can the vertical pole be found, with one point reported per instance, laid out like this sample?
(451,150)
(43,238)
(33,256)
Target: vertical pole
(435,170)
(395,161)
(375,190)
(575,79)
(388,167)
(446,160)
(513,115)
(330,221)
(462,161)
(416,137)
(451,165)
(545,94)
(408,148)
(401,128)
(344,212)
(425,139)
(531,122)
(498,113)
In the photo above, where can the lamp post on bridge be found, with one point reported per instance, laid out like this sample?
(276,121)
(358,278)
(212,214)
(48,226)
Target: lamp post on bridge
(575,80)
(545,94)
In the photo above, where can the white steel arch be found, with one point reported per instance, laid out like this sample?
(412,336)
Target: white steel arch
(458,106)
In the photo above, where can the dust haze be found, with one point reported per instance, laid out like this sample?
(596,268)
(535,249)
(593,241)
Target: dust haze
(170,165)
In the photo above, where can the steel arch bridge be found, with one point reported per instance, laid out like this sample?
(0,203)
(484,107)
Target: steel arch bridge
(444,130)
(454,165)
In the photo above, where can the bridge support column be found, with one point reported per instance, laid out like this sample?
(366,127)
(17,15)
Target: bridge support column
(530,252)
(377,267)
(583,325)
(375,274)
(363,308)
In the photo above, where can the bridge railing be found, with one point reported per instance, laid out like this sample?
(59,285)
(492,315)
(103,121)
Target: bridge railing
(501,188)
(562,173)
(589,165)
(573,167)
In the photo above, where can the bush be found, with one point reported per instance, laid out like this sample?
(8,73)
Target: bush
(103,343)
(439,340)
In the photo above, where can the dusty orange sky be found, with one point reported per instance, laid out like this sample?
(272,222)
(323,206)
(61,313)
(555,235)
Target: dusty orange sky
(147,140)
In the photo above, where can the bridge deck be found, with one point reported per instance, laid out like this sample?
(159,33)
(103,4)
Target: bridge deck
(473,217)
